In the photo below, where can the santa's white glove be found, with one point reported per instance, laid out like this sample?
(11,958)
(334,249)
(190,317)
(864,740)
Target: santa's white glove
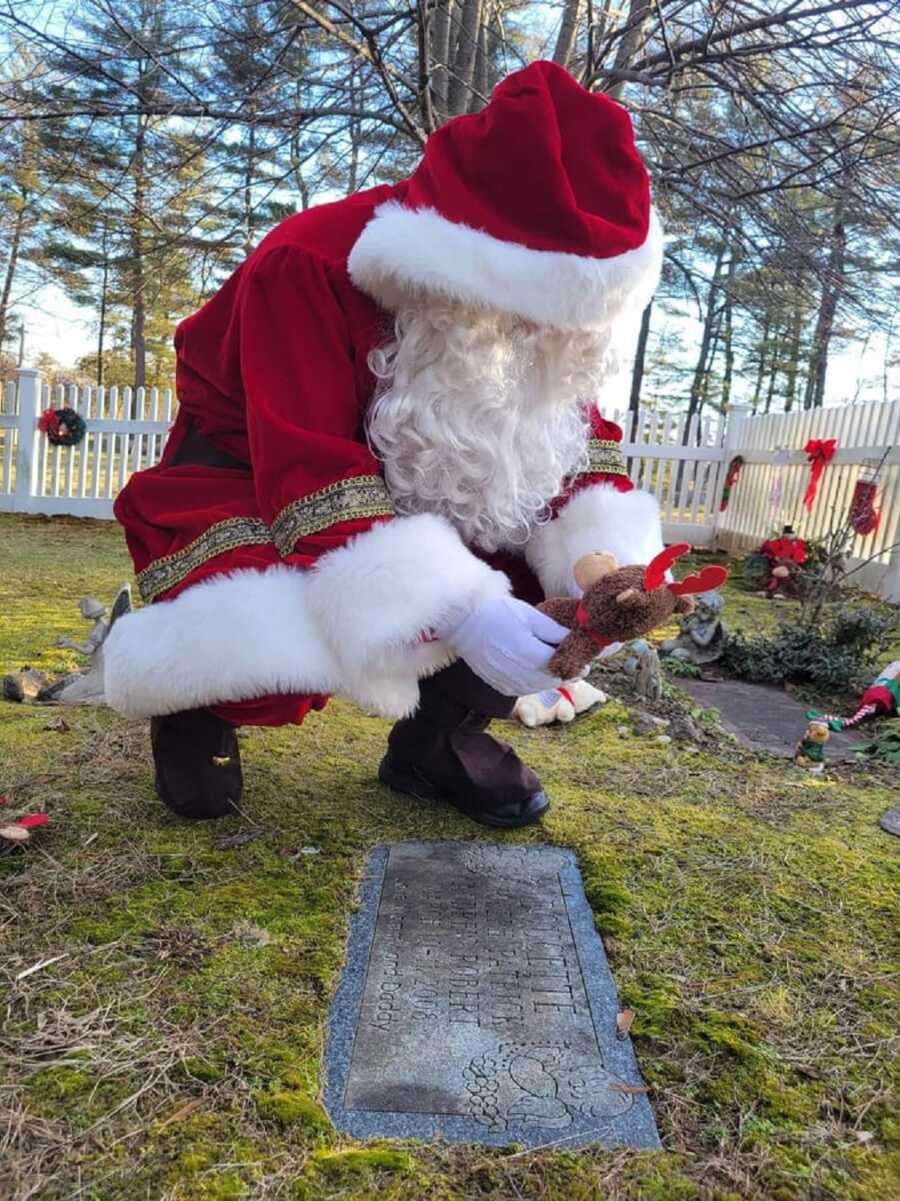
(508,644)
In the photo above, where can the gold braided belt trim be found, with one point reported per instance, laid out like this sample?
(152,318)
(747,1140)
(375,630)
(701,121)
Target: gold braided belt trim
(347,500)
(224,536)
(605,458)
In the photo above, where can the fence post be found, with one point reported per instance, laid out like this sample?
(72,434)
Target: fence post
(26,450)
(736,418)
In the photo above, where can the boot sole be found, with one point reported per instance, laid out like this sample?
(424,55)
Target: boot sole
(422,790)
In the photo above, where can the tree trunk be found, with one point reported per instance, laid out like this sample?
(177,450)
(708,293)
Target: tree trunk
(565,39)
(638,12)
(355,132)
(139,303)
(773,370)
(709,321)
(480,79)
(761,367)
(637,370)
(728,373)
(710,363)
(101,331)
(440,57)
(11,264)
(495,38)
(248,187)
(832,290)
(459,88)
(793,350)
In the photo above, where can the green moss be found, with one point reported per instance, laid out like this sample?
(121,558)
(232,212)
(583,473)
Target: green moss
(220,1186)
(289,1108)
(609,899)
(59,1084)
(363,1162)
(195,1068)
(654,1007)
(729,1032)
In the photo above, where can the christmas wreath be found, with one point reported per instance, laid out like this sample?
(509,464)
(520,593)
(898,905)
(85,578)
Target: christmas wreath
(63,427)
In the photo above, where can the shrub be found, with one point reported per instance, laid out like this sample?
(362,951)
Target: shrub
(885,745)
(837,657)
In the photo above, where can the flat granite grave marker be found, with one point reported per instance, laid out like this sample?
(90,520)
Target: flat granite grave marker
(477,1005)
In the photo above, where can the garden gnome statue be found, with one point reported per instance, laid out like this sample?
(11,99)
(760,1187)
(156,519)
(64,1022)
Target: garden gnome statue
(702,634)
(87,686)
(91,610)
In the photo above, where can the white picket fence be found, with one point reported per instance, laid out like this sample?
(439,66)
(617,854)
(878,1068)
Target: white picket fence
(126,429)
(769,492)
(684,469)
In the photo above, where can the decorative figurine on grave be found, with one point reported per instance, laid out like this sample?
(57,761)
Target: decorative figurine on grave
(810,752)
(880,699)
(702,635)
(649,676)
(87,685)
(781,560)
(633,652)
(91,610)
(561,704)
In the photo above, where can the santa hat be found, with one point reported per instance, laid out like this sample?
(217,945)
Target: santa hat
(539,206)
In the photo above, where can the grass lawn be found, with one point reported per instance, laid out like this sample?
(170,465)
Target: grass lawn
(173,1048)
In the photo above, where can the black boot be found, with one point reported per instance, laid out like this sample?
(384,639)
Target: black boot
(198,764)
(443,752)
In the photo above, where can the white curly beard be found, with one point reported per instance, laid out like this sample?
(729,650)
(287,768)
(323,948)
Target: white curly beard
(481,417)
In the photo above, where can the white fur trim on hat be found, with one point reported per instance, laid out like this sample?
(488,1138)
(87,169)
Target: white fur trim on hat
(598,518)
(351,625)
(402,249)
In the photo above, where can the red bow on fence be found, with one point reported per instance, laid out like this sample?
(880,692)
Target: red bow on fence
(818,451)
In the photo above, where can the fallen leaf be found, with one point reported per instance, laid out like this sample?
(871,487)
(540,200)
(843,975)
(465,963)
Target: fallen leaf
(3,800)
(624,1022)
(631,1089)
(183,1111)
(864,1136)
(32,820)
(14,833)
(61,726)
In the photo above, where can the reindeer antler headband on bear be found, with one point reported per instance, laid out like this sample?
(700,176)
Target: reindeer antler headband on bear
(621,603)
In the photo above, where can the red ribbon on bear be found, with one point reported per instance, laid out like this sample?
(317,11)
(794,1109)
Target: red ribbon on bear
(818,451)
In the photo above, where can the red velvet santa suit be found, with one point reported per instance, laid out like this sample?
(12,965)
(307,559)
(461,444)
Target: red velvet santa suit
(273,372)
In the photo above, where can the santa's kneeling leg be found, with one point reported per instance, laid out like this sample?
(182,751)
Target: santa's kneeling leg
(441,752)
(444,750)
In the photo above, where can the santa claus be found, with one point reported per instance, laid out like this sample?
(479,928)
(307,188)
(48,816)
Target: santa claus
(386,452)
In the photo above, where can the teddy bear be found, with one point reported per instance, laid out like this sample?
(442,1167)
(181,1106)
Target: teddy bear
(810,752)
(620,603)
